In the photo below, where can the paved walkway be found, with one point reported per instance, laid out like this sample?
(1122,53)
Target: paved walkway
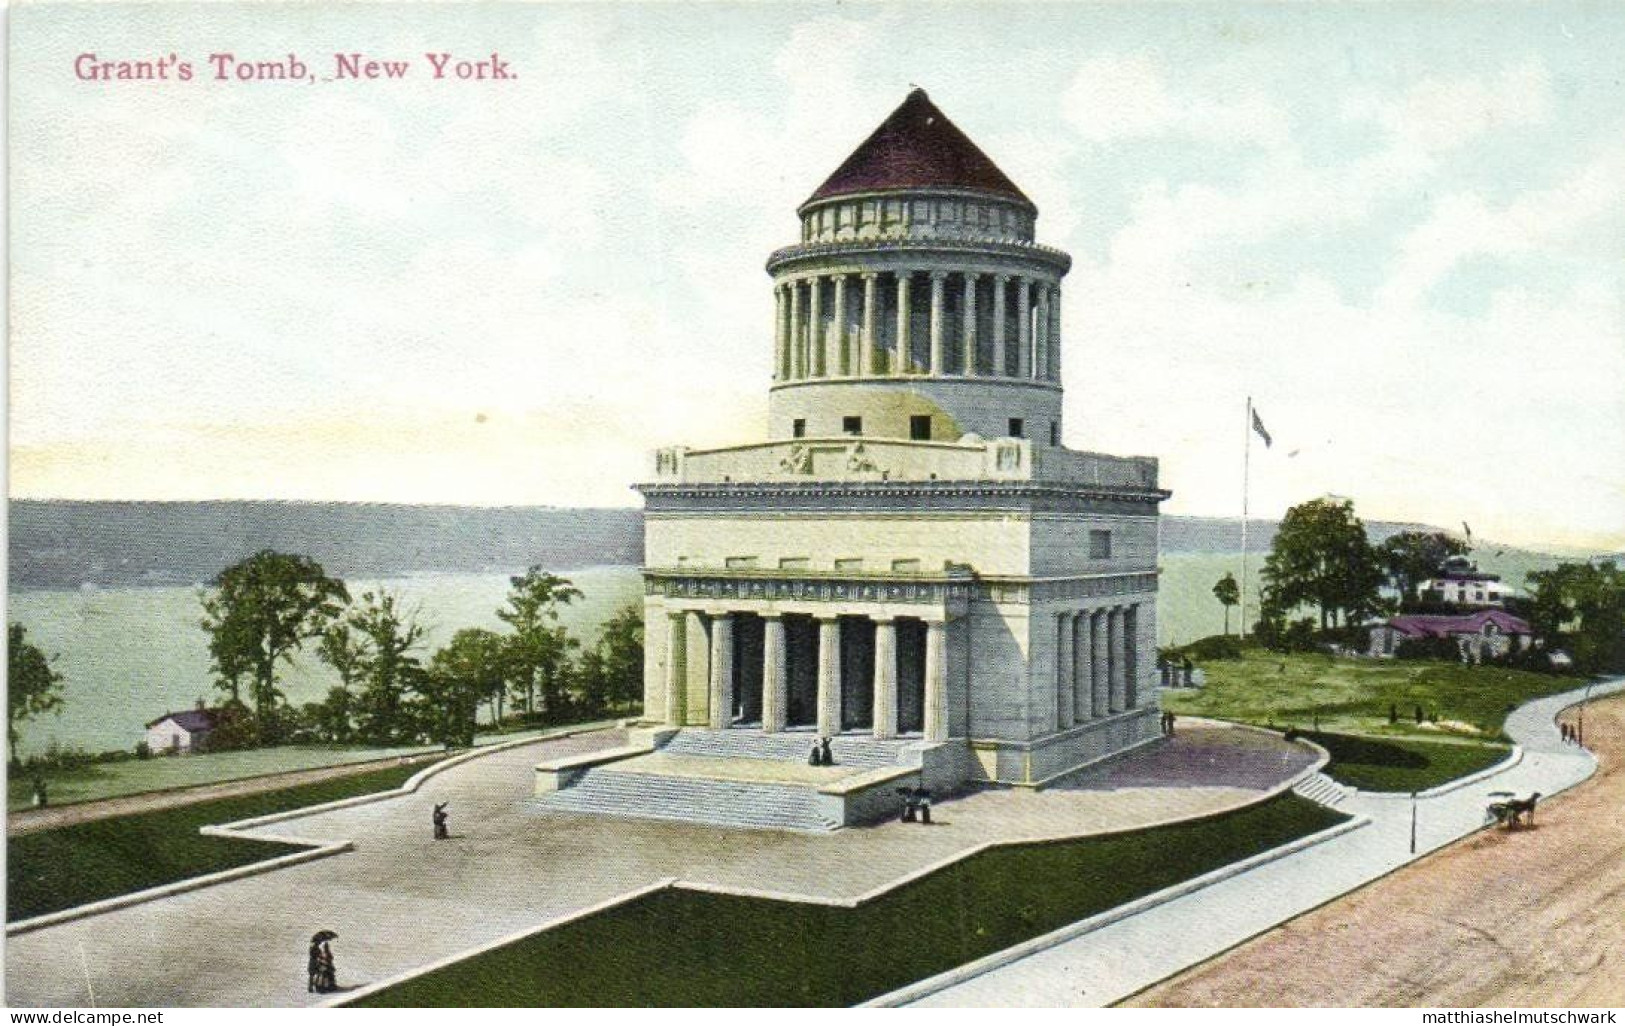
(401,900)
(1116,961)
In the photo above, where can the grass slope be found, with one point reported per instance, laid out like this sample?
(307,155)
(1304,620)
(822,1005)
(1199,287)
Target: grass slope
(689,948)
(1405,764)
(74,865)
(1355,695)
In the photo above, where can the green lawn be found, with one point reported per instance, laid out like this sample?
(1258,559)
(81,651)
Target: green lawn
(1354,696)
(161,773)
(73,865)
(689,948)
(1403,764)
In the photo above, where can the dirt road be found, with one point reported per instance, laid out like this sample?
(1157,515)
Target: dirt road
(1534,917)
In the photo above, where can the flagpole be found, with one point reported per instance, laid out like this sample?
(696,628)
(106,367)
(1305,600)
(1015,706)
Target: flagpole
(1246,460)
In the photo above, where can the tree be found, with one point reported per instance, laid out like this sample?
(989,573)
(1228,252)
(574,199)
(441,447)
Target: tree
(382,641)
(612,672)
(259,613)
(1228,592)
(539,649)
(471,668)
(1412,557)
(1321,558)
(1590,598)
(32,687)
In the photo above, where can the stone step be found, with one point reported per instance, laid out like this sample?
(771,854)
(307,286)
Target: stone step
(606,791)
(745,743)
(1320,788)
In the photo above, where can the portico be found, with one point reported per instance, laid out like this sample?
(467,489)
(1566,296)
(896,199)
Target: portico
(884,668)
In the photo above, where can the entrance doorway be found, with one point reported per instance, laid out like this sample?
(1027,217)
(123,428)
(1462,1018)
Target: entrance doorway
(801,665)
(857,673)
(750,632)
(910,675)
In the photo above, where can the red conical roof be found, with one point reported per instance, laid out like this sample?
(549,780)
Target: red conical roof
(917,147)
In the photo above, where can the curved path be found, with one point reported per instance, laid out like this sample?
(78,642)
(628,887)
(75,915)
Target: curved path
(1524,919)
(400,900)
(1112,963)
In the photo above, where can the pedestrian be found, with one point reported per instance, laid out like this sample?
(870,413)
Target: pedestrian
(313,968)
(440,817)
(328,971)
(40,799)
(828,757)
(1170,720)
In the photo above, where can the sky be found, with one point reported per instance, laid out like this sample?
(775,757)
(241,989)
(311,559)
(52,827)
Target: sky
(1399,228)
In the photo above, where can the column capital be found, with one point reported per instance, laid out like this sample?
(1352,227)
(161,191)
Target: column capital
(887,618)
(973,275)
(938,275)
(1003,278)
(827,617)
(772,614)
(869,275)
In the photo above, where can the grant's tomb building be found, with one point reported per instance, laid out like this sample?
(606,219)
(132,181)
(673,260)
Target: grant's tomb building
(911,561)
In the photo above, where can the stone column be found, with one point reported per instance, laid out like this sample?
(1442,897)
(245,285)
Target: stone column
(866,344)
(937,280)
(676,667)
(697,655)
(798,359)
(1100,696)
(1118,660)
(816,366)
(1065,710)
(722,671)
(836,358)
(1041,334)
(901,357)
(781,333)
(936,681)
(1055,331)
(1083,679)
(1024,328)
(885,677)
(1131,667)
(1001,285)
(829,676)
(968,312)
(775,674)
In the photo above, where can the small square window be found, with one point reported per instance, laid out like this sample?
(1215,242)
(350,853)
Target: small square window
(1017,428)
(849,564)
(740,562)
(794,562)
(1100,545)
(852,425)
(919,427)
(906,565)
(798,428)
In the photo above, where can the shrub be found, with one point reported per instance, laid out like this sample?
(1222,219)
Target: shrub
(142,749)
(1431,648)
(1217,646)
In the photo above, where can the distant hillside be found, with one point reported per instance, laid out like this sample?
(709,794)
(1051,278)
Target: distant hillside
(1223,534)
(120,544)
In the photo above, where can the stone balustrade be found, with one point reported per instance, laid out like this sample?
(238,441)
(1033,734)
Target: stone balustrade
(860,459)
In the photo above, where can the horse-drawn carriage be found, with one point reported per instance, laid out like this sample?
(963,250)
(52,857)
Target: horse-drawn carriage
(1506,810)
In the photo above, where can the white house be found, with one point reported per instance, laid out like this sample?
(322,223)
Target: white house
(180,731)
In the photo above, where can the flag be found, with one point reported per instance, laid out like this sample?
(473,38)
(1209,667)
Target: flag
(1258,426)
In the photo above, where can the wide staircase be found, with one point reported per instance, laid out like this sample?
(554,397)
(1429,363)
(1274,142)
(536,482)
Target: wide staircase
(733,803)
(854,750)
(618,789)
(1318,787)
